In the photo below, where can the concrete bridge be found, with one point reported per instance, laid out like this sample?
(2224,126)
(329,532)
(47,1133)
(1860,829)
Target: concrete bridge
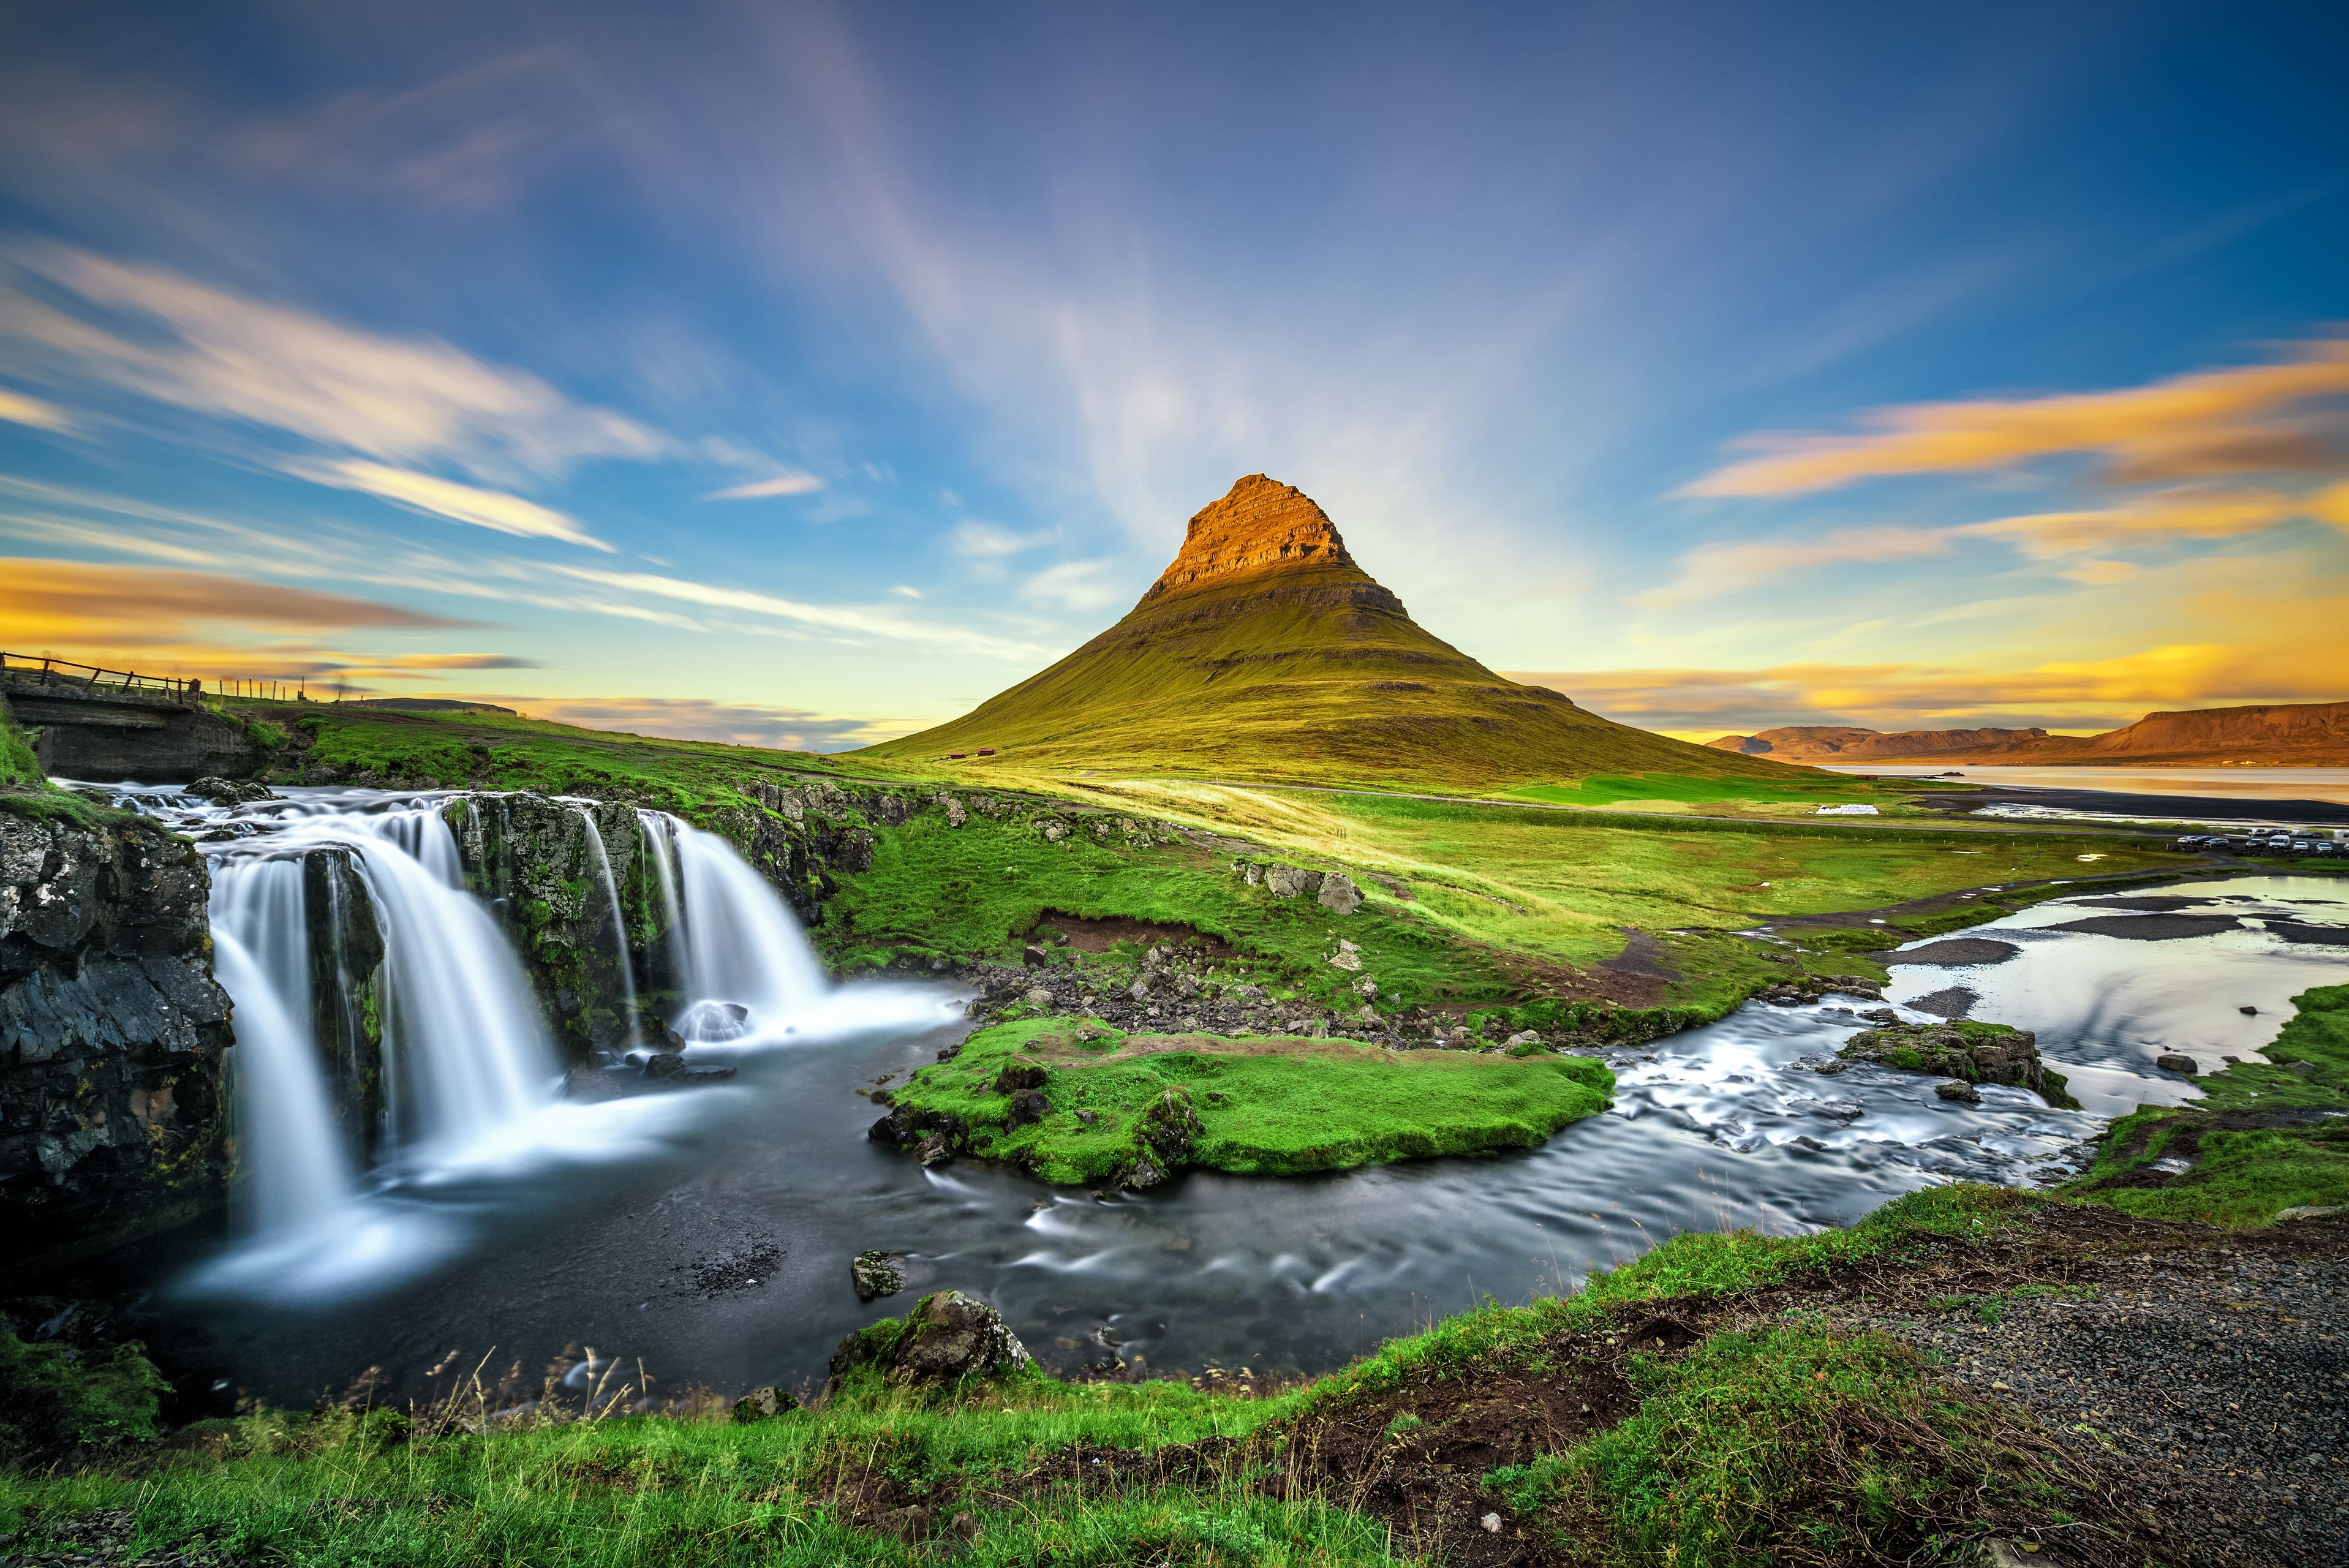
(107,726)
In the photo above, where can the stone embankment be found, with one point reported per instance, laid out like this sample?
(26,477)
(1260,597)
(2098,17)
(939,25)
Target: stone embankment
(113,1035)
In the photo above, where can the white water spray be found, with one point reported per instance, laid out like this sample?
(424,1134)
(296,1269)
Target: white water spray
(619,929)
(296,1172)
(741,944)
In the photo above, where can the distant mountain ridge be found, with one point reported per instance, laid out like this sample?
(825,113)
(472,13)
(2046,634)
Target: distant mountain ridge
(1837,743)
(2311,734)
(1264,651)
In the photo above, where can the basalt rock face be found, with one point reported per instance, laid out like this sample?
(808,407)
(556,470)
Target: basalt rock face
(1265,650)
(535,860)
(1260,525)
(347,953)
(113,1037)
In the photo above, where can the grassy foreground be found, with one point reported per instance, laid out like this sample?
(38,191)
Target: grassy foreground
(1254,1107)
(1753,1442)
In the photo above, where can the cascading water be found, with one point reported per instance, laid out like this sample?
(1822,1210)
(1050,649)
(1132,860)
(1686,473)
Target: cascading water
(296,1171)
(628,969)
(466,1052)
(736,943)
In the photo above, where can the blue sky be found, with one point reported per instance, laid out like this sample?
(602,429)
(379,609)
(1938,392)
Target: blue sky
(809,374)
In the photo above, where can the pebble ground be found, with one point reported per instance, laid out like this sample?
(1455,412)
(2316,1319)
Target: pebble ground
(2216,1383)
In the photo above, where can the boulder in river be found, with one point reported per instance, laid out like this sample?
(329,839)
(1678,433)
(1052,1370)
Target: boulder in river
(876,1274)
(946,1338)
(230,792)
(1969,1053)
(670,1067)
(2177,1062)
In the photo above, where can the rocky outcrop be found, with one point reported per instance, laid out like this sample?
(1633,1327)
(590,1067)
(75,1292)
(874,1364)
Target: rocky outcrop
(1963,1054)
(347,952)
(536,861)
(947,1338)
(112,1035)
(1259,525)
(106,732)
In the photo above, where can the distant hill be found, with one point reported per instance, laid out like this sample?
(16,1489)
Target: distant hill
(1264,652)
(2311,734)
(1833,743)
(427,704)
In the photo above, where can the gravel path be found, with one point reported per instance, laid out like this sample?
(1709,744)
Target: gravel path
(2217,1381)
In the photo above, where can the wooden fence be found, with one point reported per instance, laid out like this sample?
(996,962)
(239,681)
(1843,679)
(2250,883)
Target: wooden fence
(24,670)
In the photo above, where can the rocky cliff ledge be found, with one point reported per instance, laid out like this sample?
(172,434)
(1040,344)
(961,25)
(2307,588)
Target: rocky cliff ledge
(1260,525)
(112,1035)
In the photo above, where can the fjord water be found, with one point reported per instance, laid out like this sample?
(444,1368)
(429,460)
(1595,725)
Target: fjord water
(706,1233)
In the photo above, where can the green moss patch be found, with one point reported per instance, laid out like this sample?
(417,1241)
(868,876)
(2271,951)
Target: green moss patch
(2266,1136)
(1262,1107)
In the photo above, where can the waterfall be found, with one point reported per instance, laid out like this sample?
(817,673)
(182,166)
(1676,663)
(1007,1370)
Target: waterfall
(660,847)
(296,1170)
(357,1088)
(466,1054)
(619,928)
(739,944)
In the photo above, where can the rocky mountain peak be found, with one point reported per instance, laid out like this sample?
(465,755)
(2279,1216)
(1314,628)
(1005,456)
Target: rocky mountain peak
(1259,525)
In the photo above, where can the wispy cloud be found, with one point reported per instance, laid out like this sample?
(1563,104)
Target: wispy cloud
(2209,422)
(445,498)
(695,718)
(19,409)
(1077,584)
(985,542)
(876,623)
(1710,570)
(761,489)
(68,316)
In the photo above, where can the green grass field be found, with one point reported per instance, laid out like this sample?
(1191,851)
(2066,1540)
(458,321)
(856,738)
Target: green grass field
(1564,885)
(1263,1107)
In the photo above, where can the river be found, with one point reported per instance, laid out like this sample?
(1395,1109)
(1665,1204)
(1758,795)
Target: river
(704,1235)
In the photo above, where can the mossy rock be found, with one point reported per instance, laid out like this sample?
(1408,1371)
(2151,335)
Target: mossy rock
(1971,1052)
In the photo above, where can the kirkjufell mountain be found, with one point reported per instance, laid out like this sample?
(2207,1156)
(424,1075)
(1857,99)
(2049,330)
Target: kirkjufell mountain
(1265,651)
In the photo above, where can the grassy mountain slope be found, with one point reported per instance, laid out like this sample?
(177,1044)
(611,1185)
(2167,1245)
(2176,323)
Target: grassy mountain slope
(1266,653)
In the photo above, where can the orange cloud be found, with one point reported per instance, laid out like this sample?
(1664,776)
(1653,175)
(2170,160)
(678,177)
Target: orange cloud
(2307,661)
(190,622)
(2184,513)
(2213,421)
(19,409)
